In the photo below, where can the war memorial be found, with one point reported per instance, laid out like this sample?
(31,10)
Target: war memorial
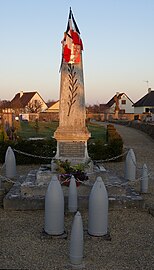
(42,189)
(71,136)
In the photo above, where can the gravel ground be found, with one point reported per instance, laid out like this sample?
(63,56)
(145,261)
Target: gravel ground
(143,147)
(132,230)
(131,245)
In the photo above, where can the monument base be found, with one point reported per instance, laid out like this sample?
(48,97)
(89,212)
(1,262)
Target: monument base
(72,144)
(73,151)
(29,193)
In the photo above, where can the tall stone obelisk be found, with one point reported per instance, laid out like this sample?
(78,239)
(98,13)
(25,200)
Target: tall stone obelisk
(72,133)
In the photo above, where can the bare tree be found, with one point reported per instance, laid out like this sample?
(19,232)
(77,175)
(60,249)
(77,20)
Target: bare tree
(34,106)
(93,108)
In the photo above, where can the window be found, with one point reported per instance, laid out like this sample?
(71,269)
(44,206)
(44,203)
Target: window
(123,101)
(122,111)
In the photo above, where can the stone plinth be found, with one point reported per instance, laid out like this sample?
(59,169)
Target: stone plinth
(29,193)
(72,133)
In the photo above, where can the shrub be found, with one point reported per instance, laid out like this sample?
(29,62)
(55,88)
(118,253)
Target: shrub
(3,135)
(115,141)
(99,150)
(43,148)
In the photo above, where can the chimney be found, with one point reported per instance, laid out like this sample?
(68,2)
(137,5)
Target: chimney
(21,93)
(149,90)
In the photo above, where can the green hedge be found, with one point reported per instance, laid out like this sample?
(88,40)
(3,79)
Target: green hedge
(98,149)
(45,148)
(113,147)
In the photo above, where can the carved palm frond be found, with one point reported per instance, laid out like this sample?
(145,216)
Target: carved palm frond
(72,87)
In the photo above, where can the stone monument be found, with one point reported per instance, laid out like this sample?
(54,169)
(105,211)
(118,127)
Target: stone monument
(72,133)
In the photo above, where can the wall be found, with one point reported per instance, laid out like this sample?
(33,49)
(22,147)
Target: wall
(33,116)
(109,116)
(53,116)
(44,116)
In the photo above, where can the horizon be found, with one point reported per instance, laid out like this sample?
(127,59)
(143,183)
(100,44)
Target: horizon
(118,47)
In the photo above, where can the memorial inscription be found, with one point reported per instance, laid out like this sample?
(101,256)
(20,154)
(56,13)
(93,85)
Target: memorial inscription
(69,149)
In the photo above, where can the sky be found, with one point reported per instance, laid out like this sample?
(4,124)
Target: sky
(118,39)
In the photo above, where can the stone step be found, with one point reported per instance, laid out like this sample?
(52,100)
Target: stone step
(119,196)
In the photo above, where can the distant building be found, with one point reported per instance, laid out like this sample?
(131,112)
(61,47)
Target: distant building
(124,103)
(145,104)
(26,102)
(53,107)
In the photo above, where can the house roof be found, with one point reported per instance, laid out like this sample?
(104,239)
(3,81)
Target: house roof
(54,106)
(20,101)
(49,104)
(147,100)
(112,101)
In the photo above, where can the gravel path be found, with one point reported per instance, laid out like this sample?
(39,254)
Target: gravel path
(143,147)
(132,230)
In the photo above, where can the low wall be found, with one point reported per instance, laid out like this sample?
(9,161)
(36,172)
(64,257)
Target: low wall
(112,116)
(53,116)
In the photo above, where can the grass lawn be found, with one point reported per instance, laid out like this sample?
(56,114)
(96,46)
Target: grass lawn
(31,130)
(46,130)
(98,132)
(98,149)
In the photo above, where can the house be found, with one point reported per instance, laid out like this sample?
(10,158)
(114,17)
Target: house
(53,107)
(28,102)
(120,102)
(145,104)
